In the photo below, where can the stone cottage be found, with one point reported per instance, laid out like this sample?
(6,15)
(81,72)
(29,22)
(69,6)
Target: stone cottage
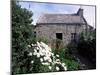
(65,27)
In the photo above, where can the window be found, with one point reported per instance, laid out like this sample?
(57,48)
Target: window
(73,36)
(59,36)
(34,34)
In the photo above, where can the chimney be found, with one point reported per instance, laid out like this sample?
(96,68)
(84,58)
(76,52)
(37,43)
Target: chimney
(80,12)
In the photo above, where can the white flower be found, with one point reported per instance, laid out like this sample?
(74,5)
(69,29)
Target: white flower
(49,54)
(30,54)
(63,64)
(52,54)
(35,50)
(32,62)
(38,44)
(41,53)
(57,68)
(57,60)
(50,67)
(38,55)
(65,68)
(49,48)
(44,50)
(32,44)
(43,44)
(40,49)
(29,45)
(57,55)
(45,58)
(35,53)
(41,59)
(49,60)
(46,63)
(46,47)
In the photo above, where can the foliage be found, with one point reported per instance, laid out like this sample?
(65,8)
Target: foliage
(43,39)
(87,46)
(43,59)
(88,35)
(21,37)
(71,64)
(66,57)
(90,49)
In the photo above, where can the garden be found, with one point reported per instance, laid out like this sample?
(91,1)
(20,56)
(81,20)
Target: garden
(31,55)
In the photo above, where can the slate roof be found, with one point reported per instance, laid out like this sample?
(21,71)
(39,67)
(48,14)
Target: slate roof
(61,18)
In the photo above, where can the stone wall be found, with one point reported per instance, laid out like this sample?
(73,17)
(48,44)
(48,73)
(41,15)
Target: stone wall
(49,31)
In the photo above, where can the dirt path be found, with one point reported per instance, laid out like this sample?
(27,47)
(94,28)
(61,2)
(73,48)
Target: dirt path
(84,62)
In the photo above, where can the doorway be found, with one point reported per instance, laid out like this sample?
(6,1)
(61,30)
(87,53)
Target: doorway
(59,36)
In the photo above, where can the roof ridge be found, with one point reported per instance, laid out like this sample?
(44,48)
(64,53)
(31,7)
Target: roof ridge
(60,18)
(58,14)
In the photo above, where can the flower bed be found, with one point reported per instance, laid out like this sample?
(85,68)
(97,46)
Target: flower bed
(44,60)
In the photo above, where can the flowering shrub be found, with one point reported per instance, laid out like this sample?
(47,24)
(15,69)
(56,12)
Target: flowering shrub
(43,57)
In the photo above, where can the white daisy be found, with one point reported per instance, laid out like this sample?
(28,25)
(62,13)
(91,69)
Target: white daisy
(32,62)
(45,63)
(35,53)
(38,55)
(32,44)
(63,64)
(57,55)
(57,60)
(35,50)
(65,68)
(30,54)
(57,68)
(49,60)
(41,59)
(45,58)
(29,45)
(50,67)
(52,54)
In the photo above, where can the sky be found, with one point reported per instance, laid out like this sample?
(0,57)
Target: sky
(40,8)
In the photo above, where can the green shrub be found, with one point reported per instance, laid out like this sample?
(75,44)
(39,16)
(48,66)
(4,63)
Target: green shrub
(43,39)
(88,49)
(21,37)
(87,46)
(43,68)
(66,57)
(71,64)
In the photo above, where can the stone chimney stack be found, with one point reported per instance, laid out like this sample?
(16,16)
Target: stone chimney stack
(80,12)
